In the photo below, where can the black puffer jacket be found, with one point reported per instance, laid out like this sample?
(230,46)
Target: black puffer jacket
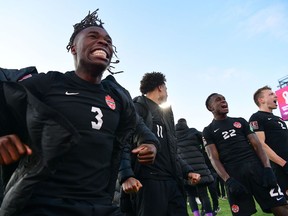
(42,122)
(189,149)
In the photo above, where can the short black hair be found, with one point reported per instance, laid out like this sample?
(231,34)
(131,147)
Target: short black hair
(207,102)
(150,81)
(90,20)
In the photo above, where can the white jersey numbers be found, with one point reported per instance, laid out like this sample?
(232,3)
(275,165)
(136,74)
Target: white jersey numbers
(275,192)
(282,125)
(228,134)
(159,131)
(98,124)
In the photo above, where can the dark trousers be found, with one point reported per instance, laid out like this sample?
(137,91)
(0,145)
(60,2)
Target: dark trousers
(48,206)
(212,188)
(202,192)
(160,198)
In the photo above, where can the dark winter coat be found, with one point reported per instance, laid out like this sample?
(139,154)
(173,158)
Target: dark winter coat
(189,149)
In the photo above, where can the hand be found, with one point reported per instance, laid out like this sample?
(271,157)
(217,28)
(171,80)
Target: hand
(235,187)
(146,153)
(11,149)
(131,185)
(193,178)
(285,167)
(269,179)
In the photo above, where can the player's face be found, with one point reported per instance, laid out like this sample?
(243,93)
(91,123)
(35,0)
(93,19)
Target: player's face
(269,99)
(163,93)
(93,48)
(218,104)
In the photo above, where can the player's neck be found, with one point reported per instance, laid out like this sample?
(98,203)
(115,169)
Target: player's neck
(154,97)
(265,109)
(220,116)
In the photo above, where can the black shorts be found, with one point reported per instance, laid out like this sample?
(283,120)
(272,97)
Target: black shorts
(282,179)
(50,206)
(250,175)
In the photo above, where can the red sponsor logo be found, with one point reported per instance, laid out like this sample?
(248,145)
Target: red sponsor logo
(235,208)
(237,124)
(254,125)
(110,102)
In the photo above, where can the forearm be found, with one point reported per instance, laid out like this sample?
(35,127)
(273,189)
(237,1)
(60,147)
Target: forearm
(219,168)
(273,156)
(258,147)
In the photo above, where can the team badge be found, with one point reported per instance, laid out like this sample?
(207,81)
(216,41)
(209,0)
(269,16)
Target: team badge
(237,124)
(254,125)
(110,102)
(235,208)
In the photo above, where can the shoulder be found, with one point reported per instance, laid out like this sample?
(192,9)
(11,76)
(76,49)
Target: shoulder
(139,99)
(15,75)
(41,78)
(110,81)
(207,129)
(238,121)
(256,115)
(140,103)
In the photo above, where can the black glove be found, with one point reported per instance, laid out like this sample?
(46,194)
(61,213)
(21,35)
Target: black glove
(269,179)
(235,187)
(285,167)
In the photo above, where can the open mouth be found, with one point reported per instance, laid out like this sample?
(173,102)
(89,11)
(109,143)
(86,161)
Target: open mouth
(100,53)
(224,106)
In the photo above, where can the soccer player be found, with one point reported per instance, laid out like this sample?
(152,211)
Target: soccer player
(239,159)
(272,133)
(68,129)
(162,191)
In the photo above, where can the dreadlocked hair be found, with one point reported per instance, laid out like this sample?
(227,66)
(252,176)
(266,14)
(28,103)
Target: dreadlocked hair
(151,80)
(90,20)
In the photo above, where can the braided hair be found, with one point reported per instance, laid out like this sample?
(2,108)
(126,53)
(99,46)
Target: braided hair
(91,19)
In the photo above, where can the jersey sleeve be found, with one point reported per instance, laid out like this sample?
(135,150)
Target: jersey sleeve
(207,137)
(256,122)
(246,126)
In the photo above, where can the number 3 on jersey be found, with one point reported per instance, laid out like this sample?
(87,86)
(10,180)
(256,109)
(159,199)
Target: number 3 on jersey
(97,125)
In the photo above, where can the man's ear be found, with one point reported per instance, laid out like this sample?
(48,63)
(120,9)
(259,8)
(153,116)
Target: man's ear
(261,100)
(160,87)
(73,50)
(210,108)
